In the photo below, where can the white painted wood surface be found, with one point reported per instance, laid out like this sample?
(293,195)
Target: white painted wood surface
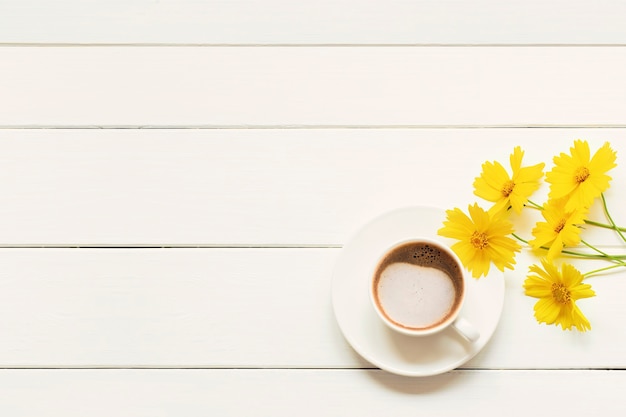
(322,22)
(276,187)
(311,392)
(240,144)
(312,86)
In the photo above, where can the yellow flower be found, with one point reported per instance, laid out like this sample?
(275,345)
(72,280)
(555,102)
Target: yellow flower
(483,239)
(495,185)
(580,178)
(560,228)
(557,293)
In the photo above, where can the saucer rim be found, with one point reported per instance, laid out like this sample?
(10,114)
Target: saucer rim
(357,345)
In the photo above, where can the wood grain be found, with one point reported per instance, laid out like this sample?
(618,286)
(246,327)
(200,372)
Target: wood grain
(316,86)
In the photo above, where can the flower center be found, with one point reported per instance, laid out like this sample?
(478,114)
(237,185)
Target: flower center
(560,293)
(559,226)
(479,240)
(507,189)
(581,174)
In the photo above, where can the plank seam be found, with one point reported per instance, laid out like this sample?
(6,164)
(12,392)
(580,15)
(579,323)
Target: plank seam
(305,45)
(174,246)
(226,368)
(309,127)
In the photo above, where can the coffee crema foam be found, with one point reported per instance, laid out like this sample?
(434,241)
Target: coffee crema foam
(417,286)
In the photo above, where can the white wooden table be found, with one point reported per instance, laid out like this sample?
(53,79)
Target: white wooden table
(178,179)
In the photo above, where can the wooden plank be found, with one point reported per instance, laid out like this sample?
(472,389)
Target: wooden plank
(177,307)
(253,187)
(304,392)
(243,308)
(316,86)
(325,22)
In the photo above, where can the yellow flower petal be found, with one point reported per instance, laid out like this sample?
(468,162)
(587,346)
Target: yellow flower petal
(558,291)
(483,239)
(560,229)
(495,185)
(578,178)
(546,311)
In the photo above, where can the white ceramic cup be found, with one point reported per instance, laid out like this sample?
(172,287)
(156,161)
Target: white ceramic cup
(418,287)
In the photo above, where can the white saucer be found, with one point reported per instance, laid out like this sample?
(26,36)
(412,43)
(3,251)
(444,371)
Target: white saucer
(384,348)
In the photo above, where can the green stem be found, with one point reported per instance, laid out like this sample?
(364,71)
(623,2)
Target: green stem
(520,239)
(595,271)
(534,205)
(605,226)
(608,216)
(609,257)
(616,258)
(594,248)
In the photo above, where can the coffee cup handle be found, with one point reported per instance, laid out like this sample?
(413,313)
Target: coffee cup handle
(466,329)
